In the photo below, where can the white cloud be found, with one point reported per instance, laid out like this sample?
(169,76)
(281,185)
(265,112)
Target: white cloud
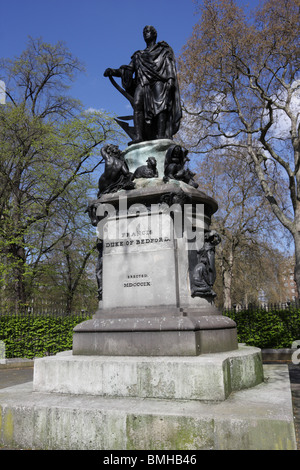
(93,111)
(282,126)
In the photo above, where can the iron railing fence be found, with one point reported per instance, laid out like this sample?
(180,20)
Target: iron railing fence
(39,307)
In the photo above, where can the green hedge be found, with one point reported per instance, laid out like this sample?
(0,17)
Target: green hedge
(31,336)
(267,328)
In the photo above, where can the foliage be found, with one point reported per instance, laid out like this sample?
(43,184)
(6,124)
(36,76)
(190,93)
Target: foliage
(267,327)
(258,274)
(246,226)
(240,81)
(48,151)
(28,335)
(38,335)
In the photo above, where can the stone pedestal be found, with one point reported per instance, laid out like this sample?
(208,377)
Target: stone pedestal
(257,418)
(149,254)
(158,366)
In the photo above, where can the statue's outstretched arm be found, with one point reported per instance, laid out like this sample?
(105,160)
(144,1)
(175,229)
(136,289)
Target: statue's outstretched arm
(112,73)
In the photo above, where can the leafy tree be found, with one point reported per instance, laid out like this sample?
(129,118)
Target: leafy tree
(240,81)
(62,255)
(245,223)
(257,275)
(48,146)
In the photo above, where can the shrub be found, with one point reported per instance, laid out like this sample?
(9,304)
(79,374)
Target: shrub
(37,335)
(267,327)
(30,336)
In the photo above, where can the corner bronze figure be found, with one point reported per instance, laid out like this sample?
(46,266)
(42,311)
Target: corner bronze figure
(99,268)
(175,161)
(116,174)
(150,84)
(204,273)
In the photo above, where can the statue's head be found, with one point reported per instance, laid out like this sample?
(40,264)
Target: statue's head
(151,162)
(149,32)
(177,150)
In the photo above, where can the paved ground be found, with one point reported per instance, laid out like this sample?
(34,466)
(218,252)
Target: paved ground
(15,376)
(11,377)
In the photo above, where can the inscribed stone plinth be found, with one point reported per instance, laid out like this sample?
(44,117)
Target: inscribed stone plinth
(138,261)
(147,307)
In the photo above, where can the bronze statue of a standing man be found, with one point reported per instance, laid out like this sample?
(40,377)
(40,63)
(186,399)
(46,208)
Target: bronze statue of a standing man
(150,84)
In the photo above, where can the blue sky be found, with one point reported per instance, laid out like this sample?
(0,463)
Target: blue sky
(100,33)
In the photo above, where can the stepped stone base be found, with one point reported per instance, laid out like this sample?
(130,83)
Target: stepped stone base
(258,418)
(209,377)
(167,334)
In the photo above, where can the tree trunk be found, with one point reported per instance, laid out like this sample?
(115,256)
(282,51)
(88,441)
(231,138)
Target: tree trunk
(18,259)
(69,303)
(227,282)
(227,265)
(297,261)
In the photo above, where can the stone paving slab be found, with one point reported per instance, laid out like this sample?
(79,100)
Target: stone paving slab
(15,376)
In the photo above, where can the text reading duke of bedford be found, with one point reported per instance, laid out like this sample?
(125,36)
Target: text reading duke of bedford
(137,242)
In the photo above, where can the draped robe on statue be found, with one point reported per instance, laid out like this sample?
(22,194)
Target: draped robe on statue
(149,71)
